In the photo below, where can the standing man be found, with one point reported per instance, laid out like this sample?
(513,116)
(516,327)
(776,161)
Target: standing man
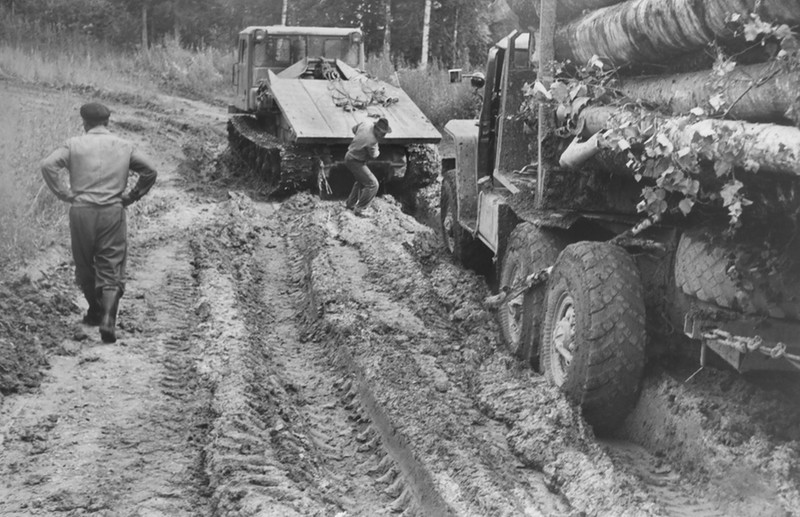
(363,147)
(98,164)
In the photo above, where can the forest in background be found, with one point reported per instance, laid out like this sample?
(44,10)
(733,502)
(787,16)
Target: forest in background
(458,30)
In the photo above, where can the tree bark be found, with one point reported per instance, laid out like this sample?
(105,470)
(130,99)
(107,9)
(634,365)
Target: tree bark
(776,149)
(387,31)
(426,29)
(455,39)
(758,93)
(145,44)
(569,9)
(646,31)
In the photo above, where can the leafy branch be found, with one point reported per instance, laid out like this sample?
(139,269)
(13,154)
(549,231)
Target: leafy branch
(683,172)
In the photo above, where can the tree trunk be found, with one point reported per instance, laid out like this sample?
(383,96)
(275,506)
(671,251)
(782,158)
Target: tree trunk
(776,149)
(285,12)
(387,30)
(145,44)
(176,27)
(764,92)
(503,20)
(454,59)
(646,31)
(426,29)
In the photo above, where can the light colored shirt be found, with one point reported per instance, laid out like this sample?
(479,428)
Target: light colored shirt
(365,144)
(99,164)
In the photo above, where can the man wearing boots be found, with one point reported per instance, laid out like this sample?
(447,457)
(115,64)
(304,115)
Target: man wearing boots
(98,164)
(363,147)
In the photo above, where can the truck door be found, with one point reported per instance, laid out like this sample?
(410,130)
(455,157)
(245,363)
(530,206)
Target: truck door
(241,72)
(488,117)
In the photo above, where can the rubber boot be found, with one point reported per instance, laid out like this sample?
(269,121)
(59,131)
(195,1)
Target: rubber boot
(109,301)
(95,312)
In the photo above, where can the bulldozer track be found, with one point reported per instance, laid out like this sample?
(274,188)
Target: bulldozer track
(284,168)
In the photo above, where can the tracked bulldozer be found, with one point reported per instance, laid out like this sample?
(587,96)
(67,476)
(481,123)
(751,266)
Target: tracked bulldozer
(300,91)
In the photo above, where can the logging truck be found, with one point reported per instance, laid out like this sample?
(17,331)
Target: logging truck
(621,206)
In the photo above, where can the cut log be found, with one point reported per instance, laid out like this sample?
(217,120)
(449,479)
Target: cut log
(764,92)
(652,31)
(773,148)
(529,11)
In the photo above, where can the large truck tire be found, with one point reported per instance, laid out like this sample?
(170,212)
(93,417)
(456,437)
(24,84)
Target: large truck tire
(701,271)
(529,250)
(461,245)
(594,332)
(706,271)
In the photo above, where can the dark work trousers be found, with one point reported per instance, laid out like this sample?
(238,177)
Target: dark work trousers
(99,245)
(366,186)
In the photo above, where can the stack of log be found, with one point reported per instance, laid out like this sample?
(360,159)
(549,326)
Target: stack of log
(759,102)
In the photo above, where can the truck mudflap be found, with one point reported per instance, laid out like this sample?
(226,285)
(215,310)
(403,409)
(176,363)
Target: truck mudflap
(748,343)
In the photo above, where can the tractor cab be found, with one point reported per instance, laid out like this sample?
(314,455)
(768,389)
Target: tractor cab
(299,52)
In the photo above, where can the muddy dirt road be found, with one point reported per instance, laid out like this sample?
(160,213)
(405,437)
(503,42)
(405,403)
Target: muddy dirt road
(287,358)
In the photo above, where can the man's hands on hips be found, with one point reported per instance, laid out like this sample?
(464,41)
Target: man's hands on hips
(128,199)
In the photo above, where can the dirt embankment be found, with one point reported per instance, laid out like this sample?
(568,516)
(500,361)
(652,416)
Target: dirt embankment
(292,359)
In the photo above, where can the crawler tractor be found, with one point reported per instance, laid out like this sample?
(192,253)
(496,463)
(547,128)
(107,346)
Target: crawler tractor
(597,255)
(300,91)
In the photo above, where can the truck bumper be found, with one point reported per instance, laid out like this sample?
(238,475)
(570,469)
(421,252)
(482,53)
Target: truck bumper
(749,343)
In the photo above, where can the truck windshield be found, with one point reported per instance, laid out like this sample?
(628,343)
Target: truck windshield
(284,51)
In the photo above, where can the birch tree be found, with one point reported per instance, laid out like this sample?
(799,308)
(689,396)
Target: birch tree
(426,29)
(387,28)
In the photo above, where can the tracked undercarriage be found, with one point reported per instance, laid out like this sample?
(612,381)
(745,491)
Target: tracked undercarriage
(301,91)
(284,167)
(288,167)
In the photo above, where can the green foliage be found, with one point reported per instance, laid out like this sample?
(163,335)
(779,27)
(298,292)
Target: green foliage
(30,217)
(459,34)
(430,89)
(702,172)
(37,52)
(199,73)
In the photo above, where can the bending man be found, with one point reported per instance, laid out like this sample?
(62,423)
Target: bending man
(363,147)
(98,164)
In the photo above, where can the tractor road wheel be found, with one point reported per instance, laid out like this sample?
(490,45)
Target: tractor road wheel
(594,331)
(424,166)
(529,250)
(462,246)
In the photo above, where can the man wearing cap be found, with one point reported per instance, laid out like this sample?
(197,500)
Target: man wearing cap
(98,164)
(363,147)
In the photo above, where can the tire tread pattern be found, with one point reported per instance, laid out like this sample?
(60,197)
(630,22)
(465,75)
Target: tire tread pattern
(701,271)
(604,375)
(536,249)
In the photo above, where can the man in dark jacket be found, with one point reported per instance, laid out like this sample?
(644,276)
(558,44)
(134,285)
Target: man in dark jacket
(98,164)
(363,148)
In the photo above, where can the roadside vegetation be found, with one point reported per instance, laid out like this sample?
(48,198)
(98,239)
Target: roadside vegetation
(40,54)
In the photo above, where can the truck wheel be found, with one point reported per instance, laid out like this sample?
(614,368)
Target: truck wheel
(701,271)
(529,250)
(459,243)
(594,332)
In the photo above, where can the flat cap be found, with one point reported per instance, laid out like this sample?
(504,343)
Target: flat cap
(94,112)
(382,125)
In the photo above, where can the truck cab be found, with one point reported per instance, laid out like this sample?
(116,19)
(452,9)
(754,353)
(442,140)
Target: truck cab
(276,48)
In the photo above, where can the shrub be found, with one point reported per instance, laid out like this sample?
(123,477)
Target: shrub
(30,216)
(201,72)
(430,89)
